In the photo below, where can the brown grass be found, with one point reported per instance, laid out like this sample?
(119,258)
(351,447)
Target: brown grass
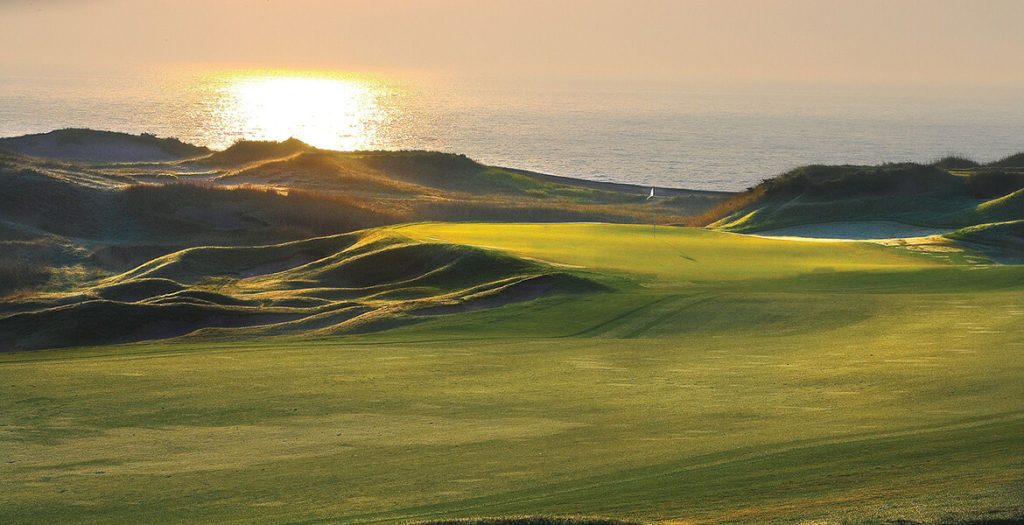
(727,207)
(18,274)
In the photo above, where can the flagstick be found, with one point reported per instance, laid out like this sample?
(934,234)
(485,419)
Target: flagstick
(654,216)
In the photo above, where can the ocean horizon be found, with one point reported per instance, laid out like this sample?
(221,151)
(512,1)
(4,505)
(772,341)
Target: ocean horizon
(686,136)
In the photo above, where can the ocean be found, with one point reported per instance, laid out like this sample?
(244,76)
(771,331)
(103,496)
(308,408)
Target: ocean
(688,136)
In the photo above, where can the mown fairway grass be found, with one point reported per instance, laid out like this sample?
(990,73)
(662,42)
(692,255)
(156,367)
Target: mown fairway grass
(722,378)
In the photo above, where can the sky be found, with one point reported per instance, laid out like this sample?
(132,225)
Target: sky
(856,42)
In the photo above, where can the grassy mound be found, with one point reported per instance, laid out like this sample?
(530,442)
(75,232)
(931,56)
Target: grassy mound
(988,183)
(1001,241)
(1005,208)
(138,289)
(18,274)
(34,200)
(196,265)
(338,284)
(847,181)
(246,151)
(53,225)
(910,194)
(448,172)
(1013,161)
(121,257)
(423,173)
(101,146)
(37,199)
(210,214)
(426,185)
(95,322)
(955,162)
(320,171)
(94,219)
(392,261)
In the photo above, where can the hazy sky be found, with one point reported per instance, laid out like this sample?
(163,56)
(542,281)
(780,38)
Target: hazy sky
(794,41)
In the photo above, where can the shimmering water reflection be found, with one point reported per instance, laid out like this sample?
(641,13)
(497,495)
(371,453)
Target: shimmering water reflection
(672,135)
(324,110)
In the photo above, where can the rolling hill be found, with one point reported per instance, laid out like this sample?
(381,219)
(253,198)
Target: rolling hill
(93,146)
(913,198)
(108,211)
(345,283)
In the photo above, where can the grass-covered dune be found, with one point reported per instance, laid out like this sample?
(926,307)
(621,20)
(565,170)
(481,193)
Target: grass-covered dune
(101,146)
(1013,161)
(80,204)
(714,378)
(344,283)
(294,164)
(950,194)
(1002,241)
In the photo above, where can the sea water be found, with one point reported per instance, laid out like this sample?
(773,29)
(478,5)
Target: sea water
(694,136)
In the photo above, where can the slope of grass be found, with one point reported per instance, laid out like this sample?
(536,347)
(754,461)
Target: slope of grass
(445,186)
(988,184)
(95,218)
(666,255)
(1005,208)
(101,146)
(911,194)
(41,199)
(716,378)
(18,273)
(248,151)
(1002,241)
(344,283)
(321,171)
(955,162)
(1013,161)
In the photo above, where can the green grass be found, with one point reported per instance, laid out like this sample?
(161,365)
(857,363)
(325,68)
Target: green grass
(1002,241)
(946,195)
(94,218)
(668,256)
(719,378)
(531,520)
(362,281)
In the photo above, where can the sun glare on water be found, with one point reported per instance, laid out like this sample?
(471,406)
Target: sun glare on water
(323,110)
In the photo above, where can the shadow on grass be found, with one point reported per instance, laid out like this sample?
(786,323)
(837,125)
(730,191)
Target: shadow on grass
(587,520)
(532,520)
(1013,520)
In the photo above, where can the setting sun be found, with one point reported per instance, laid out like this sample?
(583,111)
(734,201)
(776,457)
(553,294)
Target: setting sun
(326,111)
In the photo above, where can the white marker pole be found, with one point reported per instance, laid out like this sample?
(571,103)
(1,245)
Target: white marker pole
(654,215)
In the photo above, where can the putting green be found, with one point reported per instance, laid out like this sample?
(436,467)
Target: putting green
(668,255)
